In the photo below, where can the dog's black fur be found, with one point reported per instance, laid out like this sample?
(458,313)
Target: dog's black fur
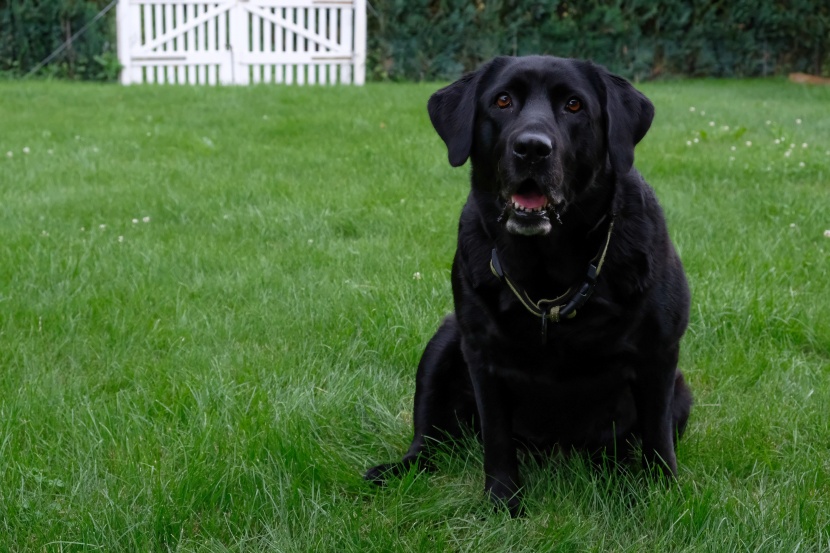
(559,136)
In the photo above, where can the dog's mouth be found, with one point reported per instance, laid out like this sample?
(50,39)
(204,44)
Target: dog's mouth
(528,199)
(528,210)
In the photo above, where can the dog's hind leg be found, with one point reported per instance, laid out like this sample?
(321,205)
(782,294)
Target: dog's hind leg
(444,401)
(655,391)
(681,406)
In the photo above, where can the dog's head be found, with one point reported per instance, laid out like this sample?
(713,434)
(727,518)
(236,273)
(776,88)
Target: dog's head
(539,130)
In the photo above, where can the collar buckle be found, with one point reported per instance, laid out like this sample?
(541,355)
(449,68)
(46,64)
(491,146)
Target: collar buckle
(551,309)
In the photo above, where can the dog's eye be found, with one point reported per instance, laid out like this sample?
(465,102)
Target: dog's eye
(504,101)
(573,105)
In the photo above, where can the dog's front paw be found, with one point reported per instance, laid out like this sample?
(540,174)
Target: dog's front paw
(380,474)
(505,496)
(662,468)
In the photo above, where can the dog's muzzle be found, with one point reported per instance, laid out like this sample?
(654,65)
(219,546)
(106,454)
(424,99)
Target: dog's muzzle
(528,210)
(530,204)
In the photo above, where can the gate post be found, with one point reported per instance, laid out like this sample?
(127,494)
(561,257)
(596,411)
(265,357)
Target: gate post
(238,37)
(128,34)
(359,56)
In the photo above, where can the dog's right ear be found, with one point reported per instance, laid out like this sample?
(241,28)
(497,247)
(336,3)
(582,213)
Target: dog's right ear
(452,111)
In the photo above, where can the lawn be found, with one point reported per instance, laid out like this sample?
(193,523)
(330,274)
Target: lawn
(213,301)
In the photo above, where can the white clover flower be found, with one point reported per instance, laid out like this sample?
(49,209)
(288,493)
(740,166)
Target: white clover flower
(731,158)
(26,149)
(146,219)
(776,141)
(102,226)
(725,128)
(688,143)
(50,151)
(711,123)
(702,113)
(135,221)
(787,153)
(120,238)
(310,241)
(803,144)
(768,122)
(696,140)
(692,109)
(733,148)
(416,276)
(792,146)
(801,164)
(748,143)
(827,233)
(798,121)
(792,225)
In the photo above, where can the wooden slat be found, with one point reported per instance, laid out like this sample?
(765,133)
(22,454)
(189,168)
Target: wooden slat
(158,29)
(179,43)
(255,44)
(322,29)
(332,36)
(268,47)
(290,42)
(302,45)
(346,42)
(311,47)
(279,48)
(147,36)
(190,43)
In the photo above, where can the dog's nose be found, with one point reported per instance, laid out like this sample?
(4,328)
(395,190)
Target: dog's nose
(532,147)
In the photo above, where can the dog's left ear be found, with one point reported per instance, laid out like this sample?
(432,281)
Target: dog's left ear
(452,111)
(628,115)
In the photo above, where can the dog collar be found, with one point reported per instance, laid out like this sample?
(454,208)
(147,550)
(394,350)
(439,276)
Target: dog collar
(564,306)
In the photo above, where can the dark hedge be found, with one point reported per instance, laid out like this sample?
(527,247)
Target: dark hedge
(640,39)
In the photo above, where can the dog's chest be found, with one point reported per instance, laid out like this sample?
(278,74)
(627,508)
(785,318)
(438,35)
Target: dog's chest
(570,403)
(554,367)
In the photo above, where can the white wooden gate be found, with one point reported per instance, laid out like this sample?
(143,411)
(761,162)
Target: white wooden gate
(242,41)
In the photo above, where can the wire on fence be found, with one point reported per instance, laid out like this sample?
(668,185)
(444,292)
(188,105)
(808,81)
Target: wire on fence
(68,41)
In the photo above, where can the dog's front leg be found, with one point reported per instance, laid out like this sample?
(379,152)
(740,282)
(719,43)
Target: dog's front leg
(501,467)
(654,394)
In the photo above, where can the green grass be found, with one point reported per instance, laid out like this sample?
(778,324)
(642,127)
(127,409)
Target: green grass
(218,377)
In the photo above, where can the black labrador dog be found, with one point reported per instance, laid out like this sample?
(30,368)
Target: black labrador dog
(570,299)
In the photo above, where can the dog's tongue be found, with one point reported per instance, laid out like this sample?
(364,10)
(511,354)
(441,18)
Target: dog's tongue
(530,200)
